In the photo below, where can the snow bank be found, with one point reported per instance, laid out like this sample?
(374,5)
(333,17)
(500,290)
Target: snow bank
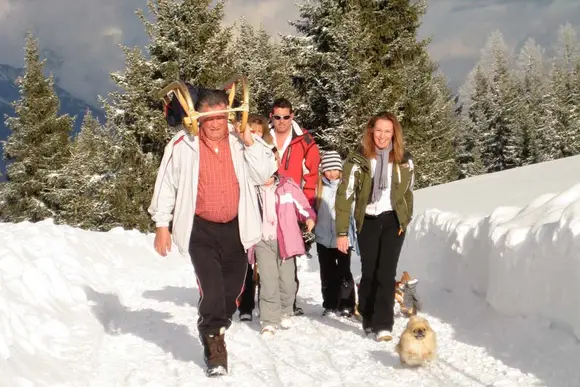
(49,336)
(524,260)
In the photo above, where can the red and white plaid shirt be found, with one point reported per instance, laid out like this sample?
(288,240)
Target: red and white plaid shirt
(218,191)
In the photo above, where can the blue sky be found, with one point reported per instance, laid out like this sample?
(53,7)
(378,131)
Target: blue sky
(82,35)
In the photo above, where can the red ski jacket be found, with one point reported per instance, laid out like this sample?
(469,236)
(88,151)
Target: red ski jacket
(300,161)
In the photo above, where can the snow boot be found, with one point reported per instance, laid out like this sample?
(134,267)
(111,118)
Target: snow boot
(215,354)
(384,335)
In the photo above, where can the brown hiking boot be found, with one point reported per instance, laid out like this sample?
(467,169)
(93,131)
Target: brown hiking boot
(215,354)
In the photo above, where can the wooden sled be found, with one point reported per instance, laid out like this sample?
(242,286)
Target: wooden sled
(179,92)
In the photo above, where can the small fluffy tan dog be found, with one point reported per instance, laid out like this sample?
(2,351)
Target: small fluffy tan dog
(418,343)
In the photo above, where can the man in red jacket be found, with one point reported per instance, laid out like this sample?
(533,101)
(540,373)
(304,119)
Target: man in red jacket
(299,155)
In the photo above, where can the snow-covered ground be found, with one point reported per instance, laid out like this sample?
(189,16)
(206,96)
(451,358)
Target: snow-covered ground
(500,285)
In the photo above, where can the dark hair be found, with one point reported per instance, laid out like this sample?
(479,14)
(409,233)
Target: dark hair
(211,97)
(282,103)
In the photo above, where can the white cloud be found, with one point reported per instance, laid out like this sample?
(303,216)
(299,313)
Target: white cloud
(273,15)
(461,27)
(84,35)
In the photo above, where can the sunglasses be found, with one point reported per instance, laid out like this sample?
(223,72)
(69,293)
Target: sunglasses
(280,117)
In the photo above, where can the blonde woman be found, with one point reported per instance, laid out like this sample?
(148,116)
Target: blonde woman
(378,179)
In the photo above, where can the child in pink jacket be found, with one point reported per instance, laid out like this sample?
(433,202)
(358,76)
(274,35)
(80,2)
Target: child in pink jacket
(283,206)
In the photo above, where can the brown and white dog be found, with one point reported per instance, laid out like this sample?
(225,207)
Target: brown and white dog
(418,343)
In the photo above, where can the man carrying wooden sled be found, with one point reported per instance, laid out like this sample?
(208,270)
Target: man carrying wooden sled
(205,187)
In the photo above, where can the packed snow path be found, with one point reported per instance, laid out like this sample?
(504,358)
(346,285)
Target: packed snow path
(103,309)
(80,308)
(152,341)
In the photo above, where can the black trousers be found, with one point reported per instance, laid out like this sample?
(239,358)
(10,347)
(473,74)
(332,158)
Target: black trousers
(220,265)
(248,300)
(336,279)
(380,248)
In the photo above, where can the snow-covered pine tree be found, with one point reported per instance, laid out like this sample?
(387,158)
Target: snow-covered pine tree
(356,59)
(537,139)
(89,176)
(564,99)
(187,42)
(327,71)
(268,71)
(502,143)
(37,147)
(475,96)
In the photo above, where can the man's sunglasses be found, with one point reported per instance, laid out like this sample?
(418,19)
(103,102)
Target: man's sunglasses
(280,117)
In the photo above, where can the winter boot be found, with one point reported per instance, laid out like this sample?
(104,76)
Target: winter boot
(215,353)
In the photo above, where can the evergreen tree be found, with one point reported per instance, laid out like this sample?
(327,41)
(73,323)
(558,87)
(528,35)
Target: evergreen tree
(564,98)
(328,71)
(37,147)
(88,178)
(501,143)
(187,43)
(356,59)
(477,120)
(268,71)
(537,138)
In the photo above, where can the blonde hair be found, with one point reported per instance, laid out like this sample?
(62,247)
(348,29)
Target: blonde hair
(255,119)
(368,143)
(319,187)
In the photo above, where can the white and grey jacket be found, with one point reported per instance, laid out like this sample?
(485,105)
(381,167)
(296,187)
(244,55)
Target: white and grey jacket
(175,193)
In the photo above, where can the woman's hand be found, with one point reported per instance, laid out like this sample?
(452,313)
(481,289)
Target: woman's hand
(342,244)
(309,224)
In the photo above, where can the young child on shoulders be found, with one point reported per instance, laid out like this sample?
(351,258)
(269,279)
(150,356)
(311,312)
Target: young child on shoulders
(338,290)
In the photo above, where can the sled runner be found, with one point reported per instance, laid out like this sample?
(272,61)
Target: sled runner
(179,99)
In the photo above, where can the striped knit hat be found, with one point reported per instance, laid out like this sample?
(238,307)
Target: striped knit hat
(330,160)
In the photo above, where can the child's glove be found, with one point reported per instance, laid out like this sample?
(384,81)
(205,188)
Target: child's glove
(308,238)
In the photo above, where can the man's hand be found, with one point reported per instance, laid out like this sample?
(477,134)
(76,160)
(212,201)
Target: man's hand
(162,242)
(309,224)
(342,244)
(246,136)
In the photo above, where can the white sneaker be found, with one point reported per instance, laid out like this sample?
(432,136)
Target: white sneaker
(286,322)
(268,330)
(384,336)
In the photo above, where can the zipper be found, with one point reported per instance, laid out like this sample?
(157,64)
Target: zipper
(406,210)
(287,162)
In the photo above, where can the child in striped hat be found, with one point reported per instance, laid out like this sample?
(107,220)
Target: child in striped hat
(338,291)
